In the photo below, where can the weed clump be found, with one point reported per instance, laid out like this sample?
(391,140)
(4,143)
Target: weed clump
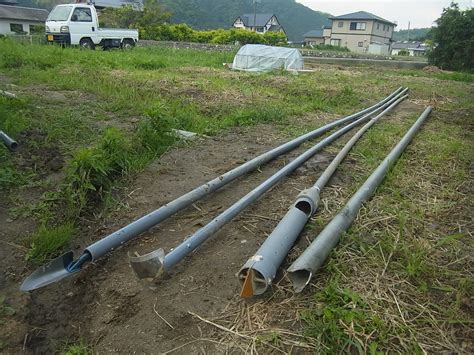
(47,241)
(340,318)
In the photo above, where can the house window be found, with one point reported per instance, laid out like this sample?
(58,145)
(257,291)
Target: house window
(260,29)
(16,27)
(388,28)
(358,26)
(384,27)
(378,26)
(82,14)
(335,42)
(340,24)
(360,44)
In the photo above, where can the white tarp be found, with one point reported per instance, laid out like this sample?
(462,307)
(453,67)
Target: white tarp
(257,57)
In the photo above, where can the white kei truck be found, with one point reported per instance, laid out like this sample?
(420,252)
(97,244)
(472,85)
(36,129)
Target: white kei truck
(78,24)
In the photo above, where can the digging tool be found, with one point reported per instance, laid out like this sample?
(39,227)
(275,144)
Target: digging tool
(157,262)
(303,269)
(259,271)
(65,265)
(9,142)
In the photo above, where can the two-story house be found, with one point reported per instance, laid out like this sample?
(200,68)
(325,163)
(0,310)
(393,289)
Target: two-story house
(260,23)
(362,32)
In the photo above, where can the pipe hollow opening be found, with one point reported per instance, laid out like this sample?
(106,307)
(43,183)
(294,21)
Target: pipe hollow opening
(300,278)
(304,206)
(259,283)
(14,146)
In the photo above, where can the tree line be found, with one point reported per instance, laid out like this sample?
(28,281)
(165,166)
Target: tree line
(153,23)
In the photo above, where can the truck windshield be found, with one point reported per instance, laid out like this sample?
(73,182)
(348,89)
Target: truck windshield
(60,13)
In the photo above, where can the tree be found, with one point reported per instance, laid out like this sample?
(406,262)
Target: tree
(152,15)
(454,39)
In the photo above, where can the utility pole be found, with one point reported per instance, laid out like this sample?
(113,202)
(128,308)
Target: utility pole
(408,40)
(255,14)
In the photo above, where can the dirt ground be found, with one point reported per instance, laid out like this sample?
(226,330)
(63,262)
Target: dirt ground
(115,312)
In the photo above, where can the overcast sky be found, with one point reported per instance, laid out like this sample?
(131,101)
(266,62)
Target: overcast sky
(421,13)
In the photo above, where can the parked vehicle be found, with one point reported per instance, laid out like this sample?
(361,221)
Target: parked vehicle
(78,24)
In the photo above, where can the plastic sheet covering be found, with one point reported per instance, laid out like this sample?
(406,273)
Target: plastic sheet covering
(258,58)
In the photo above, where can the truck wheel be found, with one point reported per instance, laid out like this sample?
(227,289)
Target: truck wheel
(86,43)
(128,44)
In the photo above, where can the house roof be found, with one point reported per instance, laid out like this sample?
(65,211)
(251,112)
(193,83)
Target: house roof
(314,33)
(361,15)
(409,45)
(261,19)
(23,13)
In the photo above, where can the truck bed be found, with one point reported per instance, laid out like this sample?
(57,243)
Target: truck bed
(117,32)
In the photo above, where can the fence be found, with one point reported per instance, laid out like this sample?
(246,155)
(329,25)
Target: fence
(31,39)
(190,45)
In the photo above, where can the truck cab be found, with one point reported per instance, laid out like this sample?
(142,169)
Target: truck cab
(78,24)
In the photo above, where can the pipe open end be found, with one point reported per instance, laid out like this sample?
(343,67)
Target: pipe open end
(148,266)
(253,283)
(304,206)
(13,146)
(299,279)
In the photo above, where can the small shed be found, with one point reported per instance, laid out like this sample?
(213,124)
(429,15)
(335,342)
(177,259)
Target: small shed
(21,20)
(258,57)
(314,37)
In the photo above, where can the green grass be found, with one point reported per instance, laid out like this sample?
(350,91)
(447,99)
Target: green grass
(110,114)
(46,243)
(405,245)
(5,309)
(80,348)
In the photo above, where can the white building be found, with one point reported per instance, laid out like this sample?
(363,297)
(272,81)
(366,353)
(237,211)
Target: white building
(411,48)
(260,23)
(361,32)
(20,20)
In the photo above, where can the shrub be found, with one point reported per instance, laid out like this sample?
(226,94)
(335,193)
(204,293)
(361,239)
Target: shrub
(47,241)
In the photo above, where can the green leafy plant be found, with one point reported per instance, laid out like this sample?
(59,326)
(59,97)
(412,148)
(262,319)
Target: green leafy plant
(339,318)
(47,241)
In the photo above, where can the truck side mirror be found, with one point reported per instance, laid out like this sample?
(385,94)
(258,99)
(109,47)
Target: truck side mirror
(74,18)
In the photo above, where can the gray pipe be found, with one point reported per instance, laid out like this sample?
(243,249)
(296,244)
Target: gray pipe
(302,270)
(260,270)
(65,265)
(9,142)
(141,225)
(152,264)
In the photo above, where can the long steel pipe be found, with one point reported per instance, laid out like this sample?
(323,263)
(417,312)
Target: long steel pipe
(9,142)
(152,264)
(143,224)
(53,271)
(302,270)
(260,270)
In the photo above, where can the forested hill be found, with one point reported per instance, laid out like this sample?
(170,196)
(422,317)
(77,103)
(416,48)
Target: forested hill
(296,18)
(415,34)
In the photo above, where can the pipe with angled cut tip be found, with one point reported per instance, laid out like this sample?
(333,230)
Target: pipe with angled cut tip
(153,264)
(303,269)
(260,270)
(9,142)
(55,271)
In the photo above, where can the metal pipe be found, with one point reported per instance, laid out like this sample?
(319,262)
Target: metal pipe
(9,142)
(302,270)
(260,270)
(50,272)
(152,264)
